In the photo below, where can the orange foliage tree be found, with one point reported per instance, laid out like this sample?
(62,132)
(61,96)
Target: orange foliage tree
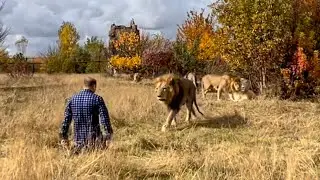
(301,60)
(127,45)
(198,29)
(124,63)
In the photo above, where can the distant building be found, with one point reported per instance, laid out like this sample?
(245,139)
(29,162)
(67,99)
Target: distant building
(115,31)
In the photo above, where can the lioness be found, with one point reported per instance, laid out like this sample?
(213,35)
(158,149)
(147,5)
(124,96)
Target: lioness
(174,92)
(226,83)
(136,77)
(246,95)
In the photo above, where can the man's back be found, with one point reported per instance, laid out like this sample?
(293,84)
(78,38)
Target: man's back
(84,108)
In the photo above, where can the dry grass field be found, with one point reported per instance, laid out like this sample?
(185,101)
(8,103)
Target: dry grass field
(253,140)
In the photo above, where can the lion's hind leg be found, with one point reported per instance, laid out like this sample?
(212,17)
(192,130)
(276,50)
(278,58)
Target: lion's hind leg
(189,111)
(174,121)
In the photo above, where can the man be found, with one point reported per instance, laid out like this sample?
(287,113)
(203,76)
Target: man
(85,108)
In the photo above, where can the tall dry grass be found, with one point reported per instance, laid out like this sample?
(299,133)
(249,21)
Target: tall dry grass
(262,139)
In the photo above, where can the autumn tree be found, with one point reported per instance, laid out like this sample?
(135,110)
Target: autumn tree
(254,35)
(302,52)
(127,44)
(68,38)
(63,56)
(158,57)
(198,29)
(68,44)
(305,27)
(262,37)
(128,57)
(125,63)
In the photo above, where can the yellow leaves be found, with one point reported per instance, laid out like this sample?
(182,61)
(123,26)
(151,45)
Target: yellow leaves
(68,38)
(125,62)
(198,28)
(127,43)
(206,47)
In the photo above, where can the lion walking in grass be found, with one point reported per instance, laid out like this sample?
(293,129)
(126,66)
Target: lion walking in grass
(175,92)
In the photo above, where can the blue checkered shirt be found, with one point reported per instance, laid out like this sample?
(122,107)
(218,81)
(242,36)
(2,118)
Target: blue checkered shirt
(85,108)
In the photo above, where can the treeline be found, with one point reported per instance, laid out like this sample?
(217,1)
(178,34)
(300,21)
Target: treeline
(273,43)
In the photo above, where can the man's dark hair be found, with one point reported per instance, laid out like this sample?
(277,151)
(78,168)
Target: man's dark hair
(90,82)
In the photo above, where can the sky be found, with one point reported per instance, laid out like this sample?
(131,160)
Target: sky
(39,20)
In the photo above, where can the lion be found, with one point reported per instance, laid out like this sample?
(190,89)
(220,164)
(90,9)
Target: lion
(192,77)
(245,84)
(174,92)
(137,77)
(246,95)
(116,74)
(226,83)
(246,91)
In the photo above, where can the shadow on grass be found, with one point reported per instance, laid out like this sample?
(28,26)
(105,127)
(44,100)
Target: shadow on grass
(227,121)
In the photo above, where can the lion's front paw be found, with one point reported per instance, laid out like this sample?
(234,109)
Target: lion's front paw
(164,128)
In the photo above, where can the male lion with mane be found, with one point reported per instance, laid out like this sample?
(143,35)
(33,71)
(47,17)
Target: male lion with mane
(226,83)
(246,93)
(174,92)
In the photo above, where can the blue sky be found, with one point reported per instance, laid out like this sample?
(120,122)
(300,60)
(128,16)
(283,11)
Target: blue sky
(39,20)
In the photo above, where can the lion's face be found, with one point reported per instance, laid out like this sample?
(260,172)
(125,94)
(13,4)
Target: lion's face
(164,91)
(164,88)
(244,84)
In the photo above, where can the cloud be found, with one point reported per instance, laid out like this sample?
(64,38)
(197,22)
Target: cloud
(39,20)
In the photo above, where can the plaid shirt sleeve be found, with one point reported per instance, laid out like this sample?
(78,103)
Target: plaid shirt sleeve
(67,120)
(104,117)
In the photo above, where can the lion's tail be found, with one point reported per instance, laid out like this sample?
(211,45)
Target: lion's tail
(195,103)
